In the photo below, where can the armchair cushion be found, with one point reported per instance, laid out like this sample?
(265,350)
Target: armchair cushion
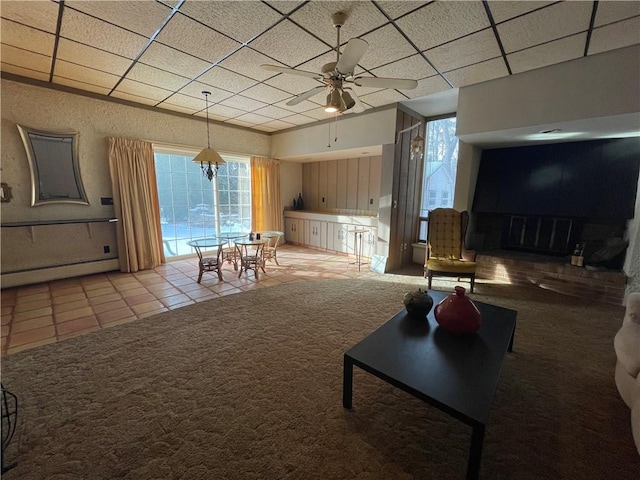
(446,231)
(451,266)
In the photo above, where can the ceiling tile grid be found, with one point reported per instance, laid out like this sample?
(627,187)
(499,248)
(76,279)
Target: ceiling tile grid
(164,53)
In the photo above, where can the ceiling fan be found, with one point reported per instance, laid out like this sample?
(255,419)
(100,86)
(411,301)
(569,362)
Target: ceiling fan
(338,76)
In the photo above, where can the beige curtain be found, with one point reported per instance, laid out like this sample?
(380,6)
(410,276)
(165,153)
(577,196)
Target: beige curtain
(135,198)
(266,203)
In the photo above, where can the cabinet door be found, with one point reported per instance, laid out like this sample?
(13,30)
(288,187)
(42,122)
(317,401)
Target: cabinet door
(323,235)
(340,237)
(314,233)
(305,232)
(290,230)
(369,243)
(331,236)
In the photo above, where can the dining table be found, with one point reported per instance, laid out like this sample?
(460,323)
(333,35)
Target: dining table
(250,251)
(209,263)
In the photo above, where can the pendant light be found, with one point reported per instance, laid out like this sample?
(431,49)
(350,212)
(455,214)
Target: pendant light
(208,158)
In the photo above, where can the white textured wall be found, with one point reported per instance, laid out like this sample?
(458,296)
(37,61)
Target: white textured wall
(95,120)
(370,129)
(600,85)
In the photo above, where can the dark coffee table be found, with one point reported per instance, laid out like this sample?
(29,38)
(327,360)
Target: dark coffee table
(457,374)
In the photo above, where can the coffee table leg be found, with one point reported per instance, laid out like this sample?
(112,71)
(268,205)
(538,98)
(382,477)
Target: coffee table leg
(475,453)
(347,383)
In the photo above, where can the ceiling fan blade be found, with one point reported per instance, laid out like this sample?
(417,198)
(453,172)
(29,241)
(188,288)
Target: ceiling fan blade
(305,95)
(292,71)
(352,54)
(381,82)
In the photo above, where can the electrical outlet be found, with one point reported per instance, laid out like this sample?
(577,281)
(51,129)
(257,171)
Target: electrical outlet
(106,249)
(371,201)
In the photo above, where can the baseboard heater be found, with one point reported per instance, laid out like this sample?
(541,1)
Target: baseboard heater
(57,272)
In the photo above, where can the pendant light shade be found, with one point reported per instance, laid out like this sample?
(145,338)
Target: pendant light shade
(208,158)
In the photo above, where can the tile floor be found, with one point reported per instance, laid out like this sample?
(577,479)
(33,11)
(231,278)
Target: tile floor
(49,312)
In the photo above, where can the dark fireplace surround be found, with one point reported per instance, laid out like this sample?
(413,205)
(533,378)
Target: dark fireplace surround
(532,205)
(545,199)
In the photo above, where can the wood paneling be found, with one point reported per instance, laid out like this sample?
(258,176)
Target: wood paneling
(352,183)
(375,173)
(364,165)
(342,183)
(332,184)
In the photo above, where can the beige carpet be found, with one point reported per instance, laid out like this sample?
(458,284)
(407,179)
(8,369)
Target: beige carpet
(249,387)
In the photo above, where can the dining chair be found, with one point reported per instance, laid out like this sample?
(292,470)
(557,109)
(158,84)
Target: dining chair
(270,251)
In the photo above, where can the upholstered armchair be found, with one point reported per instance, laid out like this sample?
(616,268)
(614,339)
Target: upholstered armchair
(446,254)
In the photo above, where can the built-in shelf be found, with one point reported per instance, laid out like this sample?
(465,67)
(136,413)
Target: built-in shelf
(38,223)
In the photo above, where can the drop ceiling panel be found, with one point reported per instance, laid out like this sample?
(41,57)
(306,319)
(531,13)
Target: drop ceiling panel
(92,57)
(298,119)
(24,59)
(140,89)
(265,93)
(133,98)
(247,62)
(239,20)
(278,124)
(273,112)
(156,77)
(621,34)
(181,32)
(87,87)
(40,15)
(243,103)
(383,97)
(226,79)
(171,60)
(176,108)
(88,75)
(236,121)
(285,6)
(224,111)
(141,17)
(292,83)
(96,33)
(185,101)
(24,72)
(427,86)
(318,113)
(442,22)
(414,67)
(253,118)
(362,17)
(501,10)
(386,45)
(195,89)
(288,43)
(315,64)
(396,9)
(262,128)
(302,106)
(609,12)
(468,50)
(551,23)
(480,72)
(26,38)
(548,53)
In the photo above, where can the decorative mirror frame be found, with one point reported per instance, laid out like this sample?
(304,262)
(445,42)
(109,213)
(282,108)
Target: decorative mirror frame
(55,171)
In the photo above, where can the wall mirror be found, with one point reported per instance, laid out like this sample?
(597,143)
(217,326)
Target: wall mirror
(54,168)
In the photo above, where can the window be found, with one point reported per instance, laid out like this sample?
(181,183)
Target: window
(191,206)
(432,199)
(440,167)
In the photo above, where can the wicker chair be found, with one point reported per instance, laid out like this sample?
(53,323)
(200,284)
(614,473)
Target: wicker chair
(271,248)
(446,254)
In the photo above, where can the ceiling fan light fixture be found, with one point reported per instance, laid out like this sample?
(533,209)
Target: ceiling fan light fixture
(348,100)
(334,102)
